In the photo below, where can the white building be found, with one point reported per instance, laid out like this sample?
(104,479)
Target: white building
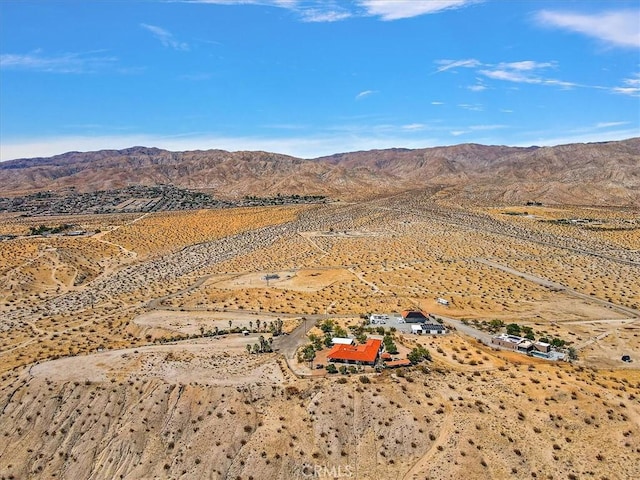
(433,329)
(342,341)
(378,319)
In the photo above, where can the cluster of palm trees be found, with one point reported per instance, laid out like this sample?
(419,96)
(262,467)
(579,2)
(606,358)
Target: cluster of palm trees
(264,346)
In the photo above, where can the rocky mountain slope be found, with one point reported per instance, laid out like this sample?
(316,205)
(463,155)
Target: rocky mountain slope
(597,173)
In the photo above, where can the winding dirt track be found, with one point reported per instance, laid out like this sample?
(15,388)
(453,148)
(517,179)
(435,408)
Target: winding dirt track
(549,284)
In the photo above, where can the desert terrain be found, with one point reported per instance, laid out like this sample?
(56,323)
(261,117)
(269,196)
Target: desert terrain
(122,352)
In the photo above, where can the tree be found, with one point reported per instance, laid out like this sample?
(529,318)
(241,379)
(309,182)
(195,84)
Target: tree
(331,368)
(495,325)
(513,329)
(308,353)
(573,354)
(389,344)
(230,323)
(250,324)
(248,348)
(339,332)
(327,326)
(419,354)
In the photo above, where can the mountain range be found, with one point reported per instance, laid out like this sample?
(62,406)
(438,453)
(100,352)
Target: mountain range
(605,174)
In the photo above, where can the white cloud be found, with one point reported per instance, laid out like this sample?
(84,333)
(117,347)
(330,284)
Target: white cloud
(477,88)
(61,63)
(451,64)
(631,86)
(471,107)
(413,127)
(617,28)
(437,103)
(398,9)
(335,10)
(165,37)
(308,11)
(316,15)
(365,94)
(610,124)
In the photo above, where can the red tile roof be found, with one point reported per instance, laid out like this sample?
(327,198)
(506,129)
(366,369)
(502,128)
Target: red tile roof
(366,353)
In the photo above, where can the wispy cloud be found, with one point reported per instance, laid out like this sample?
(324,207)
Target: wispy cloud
(610,124)
(333,10)
(522,72)
(399,9)
(630,86)
(616,28)
(526,71)
(437,103)
(453,64)
(165,37)
(307,11)
(414,127)
(365,94)
(321,15)
(471,107)
(87,62)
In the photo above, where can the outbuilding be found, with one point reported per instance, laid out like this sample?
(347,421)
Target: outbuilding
(434,329)
(342,341)
(413,316)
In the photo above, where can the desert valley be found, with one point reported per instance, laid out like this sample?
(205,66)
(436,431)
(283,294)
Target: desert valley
(171,314)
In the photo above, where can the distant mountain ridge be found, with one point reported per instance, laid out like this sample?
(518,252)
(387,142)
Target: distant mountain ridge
(606,173)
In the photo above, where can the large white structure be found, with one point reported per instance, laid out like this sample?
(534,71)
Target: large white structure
(378,319)
(342,341)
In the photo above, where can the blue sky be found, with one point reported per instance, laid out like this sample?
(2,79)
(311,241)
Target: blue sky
(311,78)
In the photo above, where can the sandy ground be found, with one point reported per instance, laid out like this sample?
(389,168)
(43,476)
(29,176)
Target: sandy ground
(216,361)
(205,408)
(190,323)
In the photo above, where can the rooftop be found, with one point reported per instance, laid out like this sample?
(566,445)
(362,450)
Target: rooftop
(366,353)
(413,314)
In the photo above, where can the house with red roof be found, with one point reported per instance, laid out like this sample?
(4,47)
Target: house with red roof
(366,354)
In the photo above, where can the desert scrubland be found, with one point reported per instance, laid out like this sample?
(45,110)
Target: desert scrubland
(121,354)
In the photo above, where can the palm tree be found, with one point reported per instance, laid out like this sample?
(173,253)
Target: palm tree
(230,323)
(248,349)
(250,324)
